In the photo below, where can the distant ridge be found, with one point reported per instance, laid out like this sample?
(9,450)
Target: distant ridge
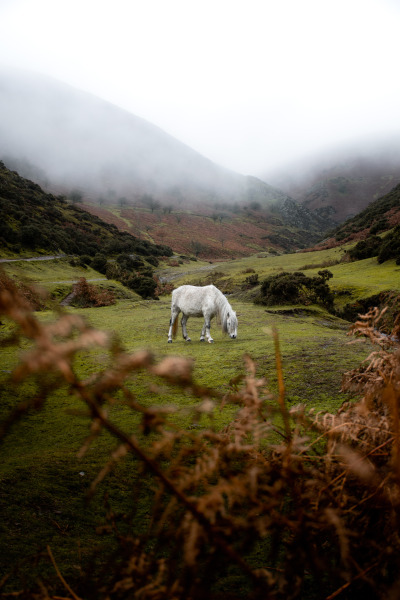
(105,159)
(65,139)
(378,218)
(344,182)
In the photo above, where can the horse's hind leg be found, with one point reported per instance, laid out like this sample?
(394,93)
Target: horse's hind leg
(184,331)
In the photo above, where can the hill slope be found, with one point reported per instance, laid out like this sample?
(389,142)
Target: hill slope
(343,183)
(218,232)
(73,143)
(32,220)
(378,217)
(64,139)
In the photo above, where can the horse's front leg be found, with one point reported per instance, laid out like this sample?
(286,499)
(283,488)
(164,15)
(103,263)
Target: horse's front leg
(206,329)
(184,331)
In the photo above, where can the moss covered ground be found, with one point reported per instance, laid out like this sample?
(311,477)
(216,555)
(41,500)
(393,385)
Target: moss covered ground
(43,483)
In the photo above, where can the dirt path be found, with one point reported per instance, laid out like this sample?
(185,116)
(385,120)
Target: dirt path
(68,299)
(3,260)
(167,276)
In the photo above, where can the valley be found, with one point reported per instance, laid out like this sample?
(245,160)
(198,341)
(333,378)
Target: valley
(191,470)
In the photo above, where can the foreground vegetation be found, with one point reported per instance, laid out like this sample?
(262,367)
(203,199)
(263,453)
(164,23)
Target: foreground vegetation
(202,475)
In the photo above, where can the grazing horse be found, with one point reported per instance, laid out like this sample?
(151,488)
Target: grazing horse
(197,301)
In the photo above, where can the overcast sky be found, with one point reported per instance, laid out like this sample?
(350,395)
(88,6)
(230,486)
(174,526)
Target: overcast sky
(251,84)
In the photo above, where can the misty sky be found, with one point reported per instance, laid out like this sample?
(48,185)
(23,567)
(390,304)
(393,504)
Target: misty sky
(251,84)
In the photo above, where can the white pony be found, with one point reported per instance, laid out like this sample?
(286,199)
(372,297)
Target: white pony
(197,301)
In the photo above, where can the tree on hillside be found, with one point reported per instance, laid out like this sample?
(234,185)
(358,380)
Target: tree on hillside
(76,197)
(197,247)
(149,201)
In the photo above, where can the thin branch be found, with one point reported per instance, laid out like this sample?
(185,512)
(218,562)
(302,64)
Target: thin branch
(65,584)
(281,385)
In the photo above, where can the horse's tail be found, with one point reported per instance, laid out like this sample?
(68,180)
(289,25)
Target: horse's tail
(175,326)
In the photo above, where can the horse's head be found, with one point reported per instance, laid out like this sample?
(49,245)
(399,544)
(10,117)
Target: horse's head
(231,324)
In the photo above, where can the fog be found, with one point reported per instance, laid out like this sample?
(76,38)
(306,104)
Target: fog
(69,140)
(251,85)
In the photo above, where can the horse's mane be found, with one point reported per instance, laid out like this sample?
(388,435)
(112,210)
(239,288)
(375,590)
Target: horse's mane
(224,308)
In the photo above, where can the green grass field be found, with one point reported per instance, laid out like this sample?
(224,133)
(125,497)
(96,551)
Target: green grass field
(361,279)
(43,483)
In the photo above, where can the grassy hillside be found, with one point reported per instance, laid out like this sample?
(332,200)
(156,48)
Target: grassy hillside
(32,220)
(365,277)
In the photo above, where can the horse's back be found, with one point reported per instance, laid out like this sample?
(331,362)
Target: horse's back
(190,299)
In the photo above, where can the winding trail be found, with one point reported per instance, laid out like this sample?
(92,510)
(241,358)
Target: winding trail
(167,276)
(3,260)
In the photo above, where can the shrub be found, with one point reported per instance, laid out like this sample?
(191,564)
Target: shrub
(99,263)
(128,262)
(296,288)
(152,260)
(366,248)
(163,289)
(250,281)
(381,225)
(390,247)
(87,295)
(84,260)
(144,286)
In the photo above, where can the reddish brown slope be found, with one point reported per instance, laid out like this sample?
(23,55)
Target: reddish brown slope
(206,233)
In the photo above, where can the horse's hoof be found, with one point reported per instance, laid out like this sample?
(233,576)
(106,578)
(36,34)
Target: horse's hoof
(188,340)
(169,341)
(210,341)
(202,339)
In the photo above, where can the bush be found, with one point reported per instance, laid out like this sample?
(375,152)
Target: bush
(296,288)
(381,225)
(390,247)
(152,260)
(366,248)
(99,263)
(84,260)
(128,262)
(87,295)
(144,286)
(250,281)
